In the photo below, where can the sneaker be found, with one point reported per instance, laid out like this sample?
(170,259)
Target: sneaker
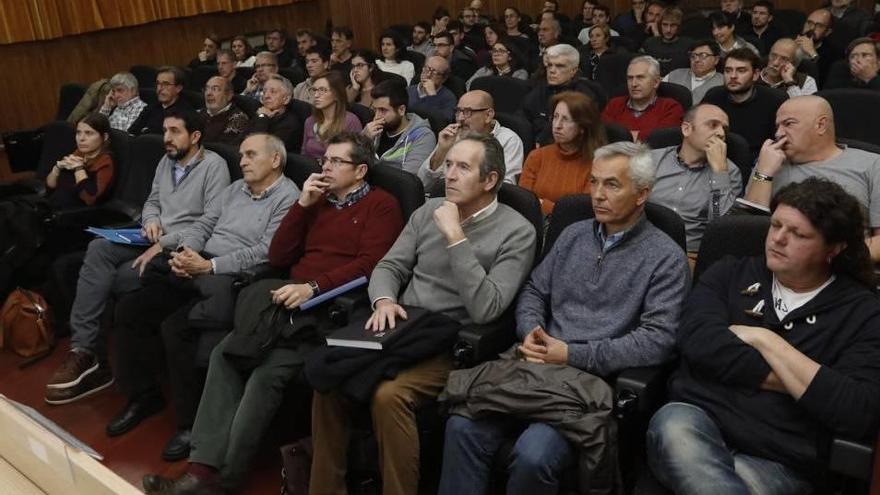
(76,366)
(90,384)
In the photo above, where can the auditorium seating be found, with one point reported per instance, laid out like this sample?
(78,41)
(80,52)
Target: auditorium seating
(507,92)
(851,109)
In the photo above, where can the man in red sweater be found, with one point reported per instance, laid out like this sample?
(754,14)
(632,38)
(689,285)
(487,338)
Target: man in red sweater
(337,231)
(642,110)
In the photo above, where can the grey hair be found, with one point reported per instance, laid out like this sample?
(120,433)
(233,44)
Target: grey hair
(125,79)
(555,25)
(271,56)
(493,157)
(288,86)
(568,52)
(641,166)
(799,54)
(653,64)
(274,144)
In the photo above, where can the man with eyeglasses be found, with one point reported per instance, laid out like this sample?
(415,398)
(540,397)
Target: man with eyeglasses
(862,55)
(265,65)
(340,42)
(317,65)
(429,93)
(276,43)
(781,70)
(336,231)
(670,49)
(475,113)
(814,41)
(169,85)
(702,74)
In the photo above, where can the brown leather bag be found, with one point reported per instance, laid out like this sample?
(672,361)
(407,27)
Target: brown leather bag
(25,328)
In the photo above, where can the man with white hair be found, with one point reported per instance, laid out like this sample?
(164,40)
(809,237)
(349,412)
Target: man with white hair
(781,70)
(642,110)
(561,65)
(123,106)
(625,316)
(274,118)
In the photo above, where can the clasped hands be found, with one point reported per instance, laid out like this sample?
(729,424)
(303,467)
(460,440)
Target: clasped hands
(540,347)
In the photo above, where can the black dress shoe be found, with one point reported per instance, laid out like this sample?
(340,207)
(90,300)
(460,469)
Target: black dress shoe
(135,412)
(177,447)
(185,485)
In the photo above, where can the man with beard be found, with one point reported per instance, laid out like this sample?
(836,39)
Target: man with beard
(400,138)
(762,29)
(750,107)
(420,41)
(187,178)
(169,85)
(814,41)
(781,71)
(224,122)
(475,113)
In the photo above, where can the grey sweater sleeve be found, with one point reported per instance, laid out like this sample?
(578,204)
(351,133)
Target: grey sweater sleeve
(653,340)
(197,234)
(395,269)
(487,295)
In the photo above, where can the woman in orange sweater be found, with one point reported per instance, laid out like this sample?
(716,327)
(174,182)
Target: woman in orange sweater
(563,168)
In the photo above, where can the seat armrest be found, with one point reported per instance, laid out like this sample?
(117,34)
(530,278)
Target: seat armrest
(640,390)
(344,306)
(256,273)
(482,342)
(852,459)
(112,214)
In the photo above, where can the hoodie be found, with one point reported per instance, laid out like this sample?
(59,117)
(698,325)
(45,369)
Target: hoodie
(412,147)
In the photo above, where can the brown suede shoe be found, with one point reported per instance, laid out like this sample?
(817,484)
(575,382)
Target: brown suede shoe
(75,367)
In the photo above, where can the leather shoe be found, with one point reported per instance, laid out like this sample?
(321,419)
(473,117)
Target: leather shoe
(177,447)
(185,485)
(135,412)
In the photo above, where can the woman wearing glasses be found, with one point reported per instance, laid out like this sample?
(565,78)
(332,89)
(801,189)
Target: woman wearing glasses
(330,115)
(563,167)
(392,48)
(365,75)
(506,61)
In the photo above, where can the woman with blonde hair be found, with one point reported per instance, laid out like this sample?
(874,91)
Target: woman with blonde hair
(330,115)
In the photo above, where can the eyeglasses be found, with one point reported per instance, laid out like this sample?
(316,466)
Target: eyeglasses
(164,84)
(260,66)
(360,65)
(334,161)
(499,51)
(432,71)
(776,56)
(467,112)
(701,55)
(318,91)
(810,24)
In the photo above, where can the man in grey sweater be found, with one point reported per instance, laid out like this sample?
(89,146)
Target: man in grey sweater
(607,297)
(196,278)
(465,257)
(186,179)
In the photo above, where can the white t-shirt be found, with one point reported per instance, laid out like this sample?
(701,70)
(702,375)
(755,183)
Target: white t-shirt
(786,300)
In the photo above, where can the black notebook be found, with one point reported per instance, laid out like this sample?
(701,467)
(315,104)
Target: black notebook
(355,335)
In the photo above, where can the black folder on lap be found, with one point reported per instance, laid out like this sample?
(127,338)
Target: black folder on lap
(355,335)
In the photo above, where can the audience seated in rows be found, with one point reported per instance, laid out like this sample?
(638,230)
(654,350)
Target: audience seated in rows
(601,17)
(208,53)
(762,28)
(724,32)
(782,71)
(462,258)
(697,180)
(84,177)
(702,74)
(625,316)
(330,115)
(804,145)
(475,113)
(563,167)
(187,178)
(169,85)
(123,104)
(864,65)
(224,121)
(392,59)
(668,47)
(402,139)
(642,110)
(341,40)
(274,117)
(430,93)
(505,61)
(244,54)
(750,107)
(317,65)
(779,354)
(191,289)
(264,67)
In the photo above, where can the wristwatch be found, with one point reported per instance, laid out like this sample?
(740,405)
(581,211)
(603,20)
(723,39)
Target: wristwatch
(314,286)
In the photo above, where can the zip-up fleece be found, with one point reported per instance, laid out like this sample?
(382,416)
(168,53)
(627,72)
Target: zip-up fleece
(412,146)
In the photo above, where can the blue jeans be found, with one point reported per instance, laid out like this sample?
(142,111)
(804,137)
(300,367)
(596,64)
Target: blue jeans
(535,463)
(687,454)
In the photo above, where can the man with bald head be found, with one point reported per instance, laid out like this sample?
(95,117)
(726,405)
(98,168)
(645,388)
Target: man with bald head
(475,113)
(781,70)
(805,146)
(814,42)
(429,93)
(696,179)
(224,122)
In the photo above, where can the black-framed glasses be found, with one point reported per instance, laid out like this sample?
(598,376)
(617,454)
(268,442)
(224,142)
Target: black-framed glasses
(334,161)
(700,55)
(467,112)
(432,71)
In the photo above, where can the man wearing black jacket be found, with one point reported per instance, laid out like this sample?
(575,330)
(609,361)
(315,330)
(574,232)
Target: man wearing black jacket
(169,85)
(779,355)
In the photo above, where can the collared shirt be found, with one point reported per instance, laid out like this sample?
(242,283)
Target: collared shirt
(257,94)
(181,169)
(266,192)
(697,81)
(610,241)
(477,218)
(350,198)
(227,107)
(124,115)
(303,92)
(636,112)
(809,87)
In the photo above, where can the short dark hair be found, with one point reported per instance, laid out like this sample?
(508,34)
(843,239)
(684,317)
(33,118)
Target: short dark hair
(305,32)
(445,34)
(280,31)
(424,25)
(177,72)
(192,120)
(343,31)
(362,150)
(838,217)
(440,13)
(321,52)
(214,39)
(862,41)
(603,8)
(744,55)
(394,89)
(711,44)
(399,44)
(767,4)
(555,4)
(718,19)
